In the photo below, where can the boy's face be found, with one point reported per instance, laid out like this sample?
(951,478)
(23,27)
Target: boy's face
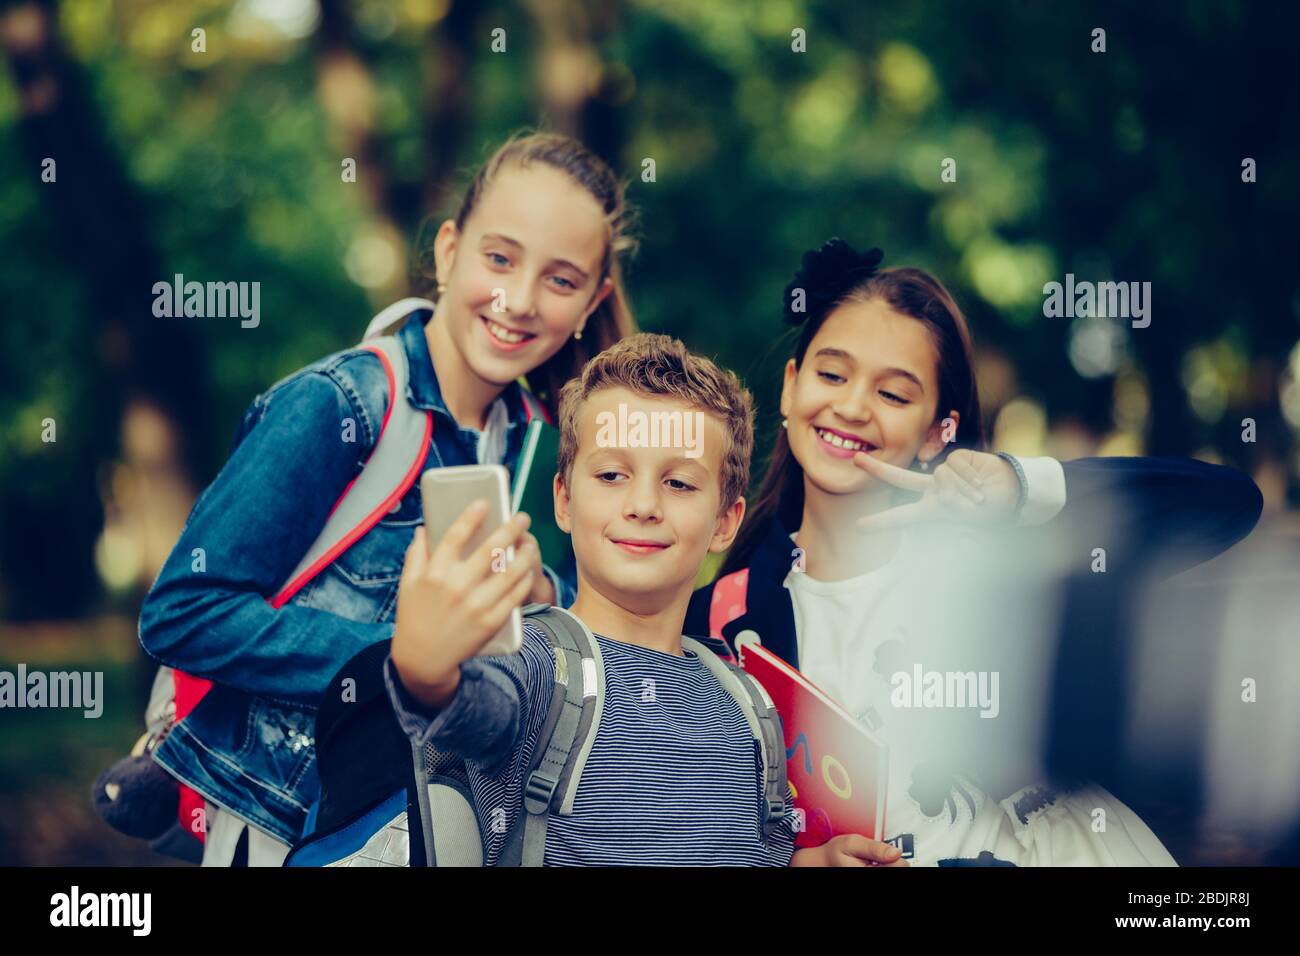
(642,519)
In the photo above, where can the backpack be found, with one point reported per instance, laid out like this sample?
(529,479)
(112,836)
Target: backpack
(387,801)
(136,795)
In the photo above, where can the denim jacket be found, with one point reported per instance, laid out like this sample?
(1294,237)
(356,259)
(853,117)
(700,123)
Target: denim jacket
(249,745)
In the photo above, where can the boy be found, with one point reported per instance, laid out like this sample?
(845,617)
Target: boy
(672,777)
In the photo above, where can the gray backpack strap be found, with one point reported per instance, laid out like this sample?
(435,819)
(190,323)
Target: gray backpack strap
(593,684)
(566,736)
(392,318)
(390,470)
(421,795)
(393,465)
(764,723)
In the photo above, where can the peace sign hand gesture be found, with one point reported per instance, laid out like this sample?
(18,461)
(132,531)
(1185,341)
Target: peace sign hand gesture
(970,486)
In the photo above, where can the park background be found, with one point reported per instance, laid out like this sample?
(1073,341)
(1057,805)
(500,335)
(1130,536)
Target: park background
(1121,165)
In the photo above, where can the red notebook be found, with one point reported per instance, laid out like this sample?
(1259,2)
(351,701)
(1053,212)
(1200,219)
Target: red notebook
(837,768)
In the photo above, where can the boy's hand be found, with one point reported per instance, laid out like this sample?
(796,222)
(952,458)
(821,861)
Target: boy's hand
(448,608)
(543,591)
(849,849)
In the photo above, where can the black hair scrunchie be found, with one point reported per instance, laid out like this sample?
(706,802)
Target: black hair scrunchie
(828,273)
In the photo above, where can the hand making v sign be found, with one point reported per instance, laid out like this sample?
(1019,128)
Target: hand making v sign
(970,486)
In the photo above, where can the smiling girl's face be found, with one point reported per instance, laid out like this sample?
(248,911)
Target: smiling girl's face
(524,273)
(868,382)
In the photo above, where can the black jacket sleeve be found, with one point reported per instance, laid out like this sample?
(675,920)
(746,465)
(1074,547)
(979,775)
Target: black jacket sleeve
(1162,515)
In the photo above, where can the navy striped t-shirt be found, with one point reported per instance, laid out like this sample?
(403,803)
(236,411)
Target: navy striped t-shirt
(672,779)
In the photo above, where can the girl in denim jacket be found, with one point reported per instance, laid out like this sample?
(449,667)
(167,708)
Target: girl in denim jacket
(528,285)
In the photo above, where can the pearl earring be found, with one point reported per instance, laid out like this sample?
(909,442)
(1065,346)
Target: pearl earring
(578,334)
(785,423)
(925,466)
(442,287)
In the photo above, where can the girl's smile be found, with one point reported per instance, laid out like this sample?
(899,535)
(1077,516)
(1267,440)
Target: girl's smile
(840,444)
(504,337)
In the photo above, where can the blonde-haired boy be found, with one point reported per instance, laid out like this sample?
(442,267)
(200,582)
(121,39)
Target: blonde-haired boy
(671,778)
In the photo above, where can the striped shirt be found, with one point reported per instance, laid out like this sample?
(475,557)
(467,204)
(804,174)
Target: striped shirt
(673,777)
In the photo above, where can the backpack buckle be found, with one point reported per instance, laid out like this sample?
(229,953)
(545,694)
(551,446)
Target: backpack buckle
(539,791)
(775,810)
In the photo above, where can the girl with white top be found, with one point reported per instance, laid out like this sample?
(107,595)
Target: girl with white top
(880,398)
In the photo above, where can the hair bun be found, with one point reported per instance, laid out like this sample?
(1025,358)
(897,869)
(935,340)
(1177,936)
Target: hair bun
(826,275)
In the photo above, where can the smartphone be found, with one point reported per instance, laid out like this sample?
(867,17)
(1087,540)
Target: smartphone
(445,493)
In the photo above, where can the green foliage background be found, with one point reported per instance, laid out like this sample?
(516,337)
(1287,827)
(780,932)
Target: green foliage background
(225,165)
(1123,164)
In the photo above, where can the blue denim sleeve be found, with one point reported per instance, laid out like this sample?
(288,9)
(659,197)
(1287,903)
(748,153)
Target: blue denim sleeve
(495,712)
(207,613)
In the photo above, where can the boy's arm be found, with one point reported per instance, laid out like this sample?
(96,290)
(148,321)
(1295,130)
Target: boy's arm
(448,607)
(491,710)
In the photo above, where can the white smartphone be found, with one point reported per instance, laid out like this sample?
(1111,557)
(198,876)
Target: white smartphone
(445,493)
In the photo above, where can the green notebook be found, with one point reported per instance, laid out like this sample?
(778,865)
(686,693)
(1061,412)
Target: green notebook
(533,492)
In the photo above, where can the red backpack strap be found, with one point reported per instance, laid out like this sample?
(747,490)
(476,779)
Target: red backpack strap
(188,690)
(730,594)
(391,469)
(533,406)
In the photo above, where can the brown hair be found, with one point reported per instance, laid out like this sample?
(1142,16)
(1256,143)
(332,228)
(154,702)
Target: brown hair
(661,365)
(612,320)
(912,292)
